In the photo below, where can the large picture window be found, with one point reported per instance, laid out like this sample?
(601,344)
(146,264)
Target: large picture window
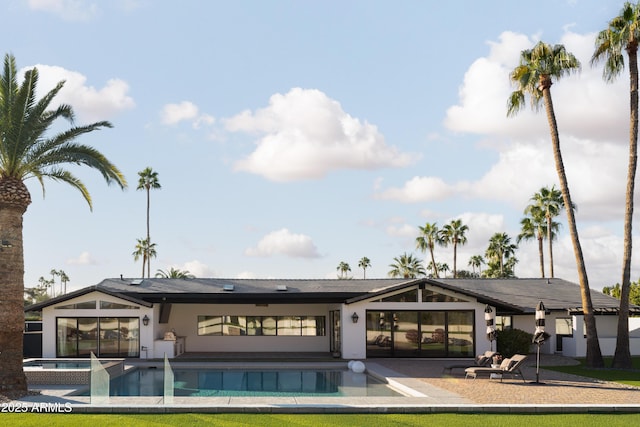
(103,336)
(407,333)
(261,325)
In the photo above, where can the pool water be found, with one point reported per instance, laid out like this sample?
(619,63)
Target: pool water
(205,382)
(81,364)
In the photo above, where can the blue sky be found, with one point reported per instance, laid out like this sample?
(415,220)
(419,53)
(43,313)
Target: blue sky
(292,135)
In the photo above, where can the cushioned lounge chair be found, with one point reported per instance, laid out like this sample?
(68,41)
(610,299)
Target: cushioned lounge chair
(483,359)
(508,366)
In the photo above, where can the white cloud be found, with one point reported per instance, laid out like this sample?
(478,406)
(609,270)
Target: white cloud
(90,103)
(283,242)
(84,258)
(69,10)
(197,268)
(423,189)
(306,135)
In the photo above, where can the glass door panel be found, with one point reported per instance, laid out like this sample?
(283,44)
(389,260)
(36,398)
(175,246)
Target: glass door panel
(406,339)
(433,334)
(67,337)
(460,333)
(379,333)
(87,336)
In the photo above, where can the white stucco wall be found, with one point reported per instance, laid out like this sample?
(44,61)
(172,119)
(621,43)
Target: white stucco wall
(49,315)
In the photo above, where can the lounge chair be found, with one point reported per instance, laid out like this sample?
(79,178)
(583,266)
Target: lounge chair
(483,359)
(508,366)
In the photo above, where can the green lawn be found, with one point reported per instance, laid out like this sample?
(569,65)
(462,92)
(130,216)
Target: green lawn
(628,377)
(258,420)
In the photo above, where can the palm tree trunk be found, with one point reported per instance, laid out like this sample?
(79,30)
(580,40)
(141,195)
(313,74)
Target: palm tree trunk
(550,232)
(148,234)
(14,199)
(455,255)
(594,355)
(541,254)
(622,355)
(433,263)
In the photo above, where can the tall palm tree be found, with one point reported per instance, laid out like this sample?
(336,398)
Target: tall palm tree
(476,261)
(174,273)
(429,237)
(623,33)
(550,202)
(407,266)
(454,233)
(501,250)
(64,279)
(148,180)
(343,268)
(364,263)
(28,151)
(535,74)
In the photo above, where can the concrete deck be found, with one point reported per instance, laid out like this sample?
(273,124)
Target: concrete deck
(425,387)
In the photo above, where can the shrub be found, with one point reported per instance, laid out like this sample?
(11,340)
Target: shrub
(513,341)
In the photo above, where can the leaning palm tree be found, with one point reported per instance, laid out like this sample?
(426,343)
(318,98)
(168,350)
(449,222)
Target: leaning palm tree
(623,33)
(429,237)
(407,266)
(364,263)
(28,151)
(535,74)
(454,233)
(148,180)
(174,273)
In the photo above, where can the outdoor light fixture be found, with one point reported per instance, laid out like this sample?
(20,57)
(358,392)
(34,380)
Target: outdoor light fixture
(5,244)
(355,317)
(145,320)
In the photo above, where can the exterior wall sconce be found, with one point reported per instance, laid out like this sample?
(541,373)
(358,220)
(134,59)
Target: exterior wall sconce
(145,320)
(355,317)
(5,244)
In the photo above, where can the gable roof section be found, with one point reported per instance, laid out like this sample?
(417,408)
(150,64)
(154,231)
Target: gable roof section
(84,291)
(522,295)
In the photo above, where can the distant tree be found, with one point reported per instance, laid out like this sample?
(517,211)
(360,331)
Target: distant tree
(439,266)
(64,279)
(454,234)
(148,180)
(498,253)
(466,274)
(616,292)
(364,263)
(407,266)
(174,273)
(548,202)
(427,240)
(144,250)
(343,269)
(476,261)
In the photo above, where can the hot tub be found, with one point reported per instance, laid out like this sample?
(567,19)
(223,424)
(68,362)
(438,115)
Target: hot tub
(67,371)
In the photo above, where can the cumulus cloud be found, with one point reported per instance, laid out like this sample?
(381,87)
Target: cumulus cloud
(84,258)
(284,242)
(304,134)
(69,10)
(90,103)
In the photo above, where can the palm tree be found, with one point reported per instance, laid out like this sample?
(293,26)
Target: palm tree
(428,238)
(26,151)
(454,233)
(500,250)
(148,180)
(476,261)
(535,74)
(174,273)
(534,227)
(623,33)
(64,279)
(343,268)
(364,263)
(407,266)
(144,250)
(548,201)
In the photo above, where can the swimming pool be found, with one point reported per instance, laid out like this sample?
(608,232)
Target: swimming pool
(66,371)
(233,382)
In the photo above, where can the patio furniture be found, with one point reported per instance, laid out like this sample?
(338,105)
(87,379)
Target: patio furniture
(483,359)
(508,366)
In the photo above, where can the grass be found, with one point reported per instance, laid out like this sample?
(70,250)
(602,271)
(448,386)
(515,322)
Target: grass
(622,376)
(303,420)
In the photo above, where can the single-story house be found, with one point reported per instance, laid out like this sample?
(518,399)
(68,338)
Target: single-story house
(355,319)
